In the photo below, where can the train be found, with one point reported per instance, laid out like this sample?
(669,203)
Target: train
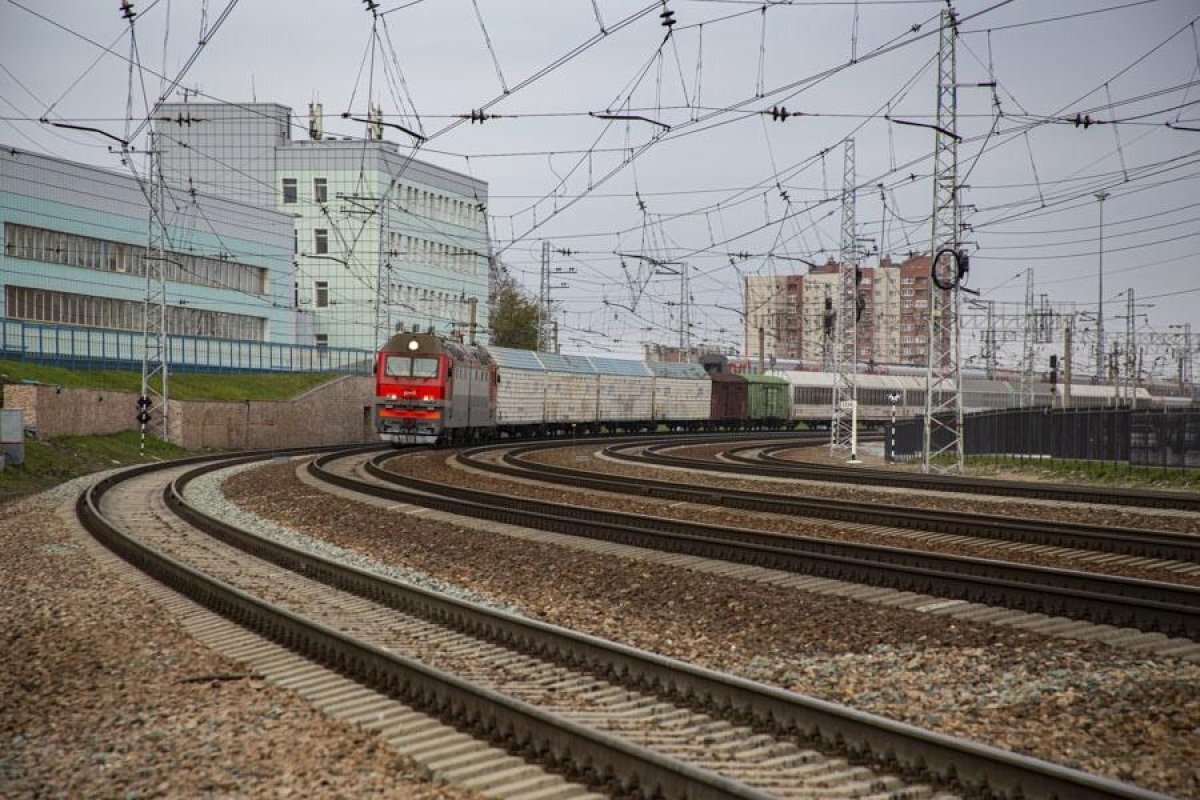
(435,390)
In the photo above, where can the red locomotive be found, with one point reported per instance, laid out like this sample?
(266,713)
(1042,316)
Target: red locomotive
(431,390)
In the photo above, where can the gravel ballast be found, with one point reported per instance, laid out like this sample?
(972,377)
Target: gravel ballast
(1090,706)
(99,694)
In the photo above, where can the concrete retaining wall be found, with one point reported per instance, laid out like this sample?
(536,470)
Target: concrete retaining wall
(337,412)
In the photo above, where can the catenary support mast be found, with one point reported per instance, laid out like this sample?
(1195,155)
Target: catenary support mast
(845,340)
(153,402)
(942,448)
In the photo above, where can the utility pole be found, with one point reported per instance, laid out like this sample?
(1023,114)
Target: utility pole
(1183,353)
(1131,351)
(845,353)
(1027,351)
(544,333)
(943,379)
(685,313)
(990,355)
(383,275)
(154,400)
(1068,334)
(1101,196)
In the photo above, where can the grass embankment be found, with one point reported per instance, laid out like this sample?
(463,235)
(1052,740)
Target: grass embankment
(59,460)
(183,385)
(1106,472)
(54,461)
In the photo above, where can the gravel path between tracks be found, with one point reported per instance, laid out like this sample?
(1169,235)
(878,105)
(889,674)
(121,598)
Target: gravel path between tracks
(1090,706)
(433,466)
(1177,521)
(99,694)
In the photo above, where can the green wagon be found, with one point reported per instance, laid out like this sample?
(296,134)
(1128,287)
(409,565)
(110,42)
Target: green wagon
(767,402)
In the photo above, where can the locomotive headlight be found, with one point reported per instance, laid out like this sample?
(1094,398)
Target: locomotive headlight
(413,344)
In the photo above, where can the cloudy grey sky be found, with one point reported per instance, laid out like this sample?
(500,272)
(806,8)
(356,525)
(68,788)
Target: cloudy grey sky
(708,178)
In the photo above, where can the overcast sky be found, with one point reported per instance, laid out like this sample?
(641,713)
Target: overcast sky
(706,179)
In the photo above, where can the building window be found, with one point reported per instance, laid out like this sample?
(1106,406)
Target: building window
(320,190)
(321,240)
(289,191)
(322,339)
(322,292)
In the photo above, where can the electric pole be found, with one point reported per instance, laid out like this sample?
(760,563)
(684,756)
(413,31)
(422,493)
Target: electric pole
(1101,196)
(845,345)
(154,400)
(545,335)
(1131,350)
(943,379)
(1028,350)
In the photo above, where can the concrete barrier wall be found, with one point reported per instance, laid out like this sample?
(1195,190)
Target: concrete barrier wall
(337,412)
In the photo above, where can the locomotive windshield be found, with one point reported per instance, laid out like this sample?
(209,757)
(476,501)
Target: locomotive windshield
(405,367)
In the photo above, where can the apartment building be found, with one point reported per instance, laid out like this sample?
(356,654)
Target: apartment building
(797,313)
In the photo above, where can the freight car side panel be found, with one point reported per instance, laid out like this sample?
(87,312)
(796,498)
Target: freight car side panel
(625,398)
(728,397)
(766,397)
(682,398)
(521,397)
(681,392)
(571,397)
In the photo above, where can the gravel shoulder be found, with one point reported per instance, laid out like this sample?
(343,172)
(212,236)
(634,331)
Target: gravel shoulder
(1089,706)
(98,696)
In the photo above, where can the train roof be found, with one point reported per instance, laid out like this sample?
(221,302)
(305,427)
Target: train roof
(432,343)
(536,361)
(755,377)
(664,369)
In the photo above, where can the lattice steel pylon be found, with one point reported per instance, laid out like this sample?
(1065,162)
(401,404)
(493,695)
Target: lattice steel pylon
(545,317)
(1029,345)
(943,433)
(154,402)
(845,336)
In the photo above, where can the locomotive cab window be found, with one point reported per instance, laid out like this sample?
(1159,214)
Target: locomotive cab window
(405,367)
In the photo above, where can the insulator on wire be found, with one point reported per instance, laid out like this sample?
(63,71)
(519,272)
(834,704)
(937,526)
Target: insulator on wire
(371,5)
(1084,120)
(479,115)
(780,113)
(668,16)
(127,10)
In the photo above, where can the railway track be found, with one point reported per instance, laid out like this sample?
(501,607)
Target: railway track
(1168,608)
(764,462)
(1100,538)
(665,729)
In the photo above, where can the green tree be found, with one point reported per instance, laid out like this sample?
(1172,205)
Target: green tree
(514,317)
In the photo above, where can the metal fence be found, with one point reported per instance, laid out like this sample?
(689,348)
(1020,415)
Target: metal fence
(1154,438)
(77,347)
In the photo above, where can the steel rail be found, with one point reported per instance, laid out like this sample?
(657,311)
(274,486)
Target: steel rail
(1103,538)
(559,743)
(1147,605)
(865,737)
(782,468)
